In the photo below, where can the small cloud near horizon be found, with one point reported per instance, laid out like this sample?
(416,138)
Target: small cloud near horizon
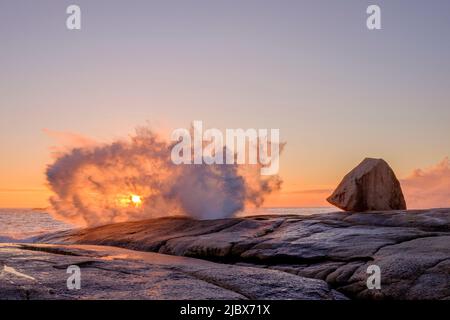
(428,188)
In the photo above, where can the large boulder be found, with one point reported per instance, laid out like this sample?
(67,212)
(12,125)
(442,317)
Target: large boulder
(371,186)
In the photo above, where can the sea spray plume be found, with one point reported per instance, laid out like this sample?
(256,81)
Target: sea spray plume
(136,179)
(94,185)
(210,191)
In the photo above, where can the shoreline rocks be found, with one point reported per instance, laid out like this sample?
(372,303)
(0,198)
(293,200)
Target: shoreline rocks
(36,271)
(412,248)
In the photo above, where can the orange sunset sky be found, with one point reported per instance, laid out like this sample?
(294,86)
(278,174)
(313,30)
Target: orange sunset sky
(337,91)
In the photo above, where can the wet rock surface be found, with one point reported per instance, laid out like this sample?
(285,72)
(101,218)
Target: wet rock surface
(412,248)
(40,272)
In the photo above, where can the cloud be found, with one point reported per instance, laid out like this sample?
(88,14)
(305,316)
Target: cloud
(428,188)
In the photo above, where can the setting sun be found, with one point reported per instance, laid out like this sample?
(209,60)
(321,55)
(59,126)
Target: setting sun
(136,200)
(127,200)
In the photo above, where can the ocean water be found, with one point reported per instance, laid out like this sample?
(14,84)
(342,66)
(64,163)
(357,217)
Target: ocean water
(23,224)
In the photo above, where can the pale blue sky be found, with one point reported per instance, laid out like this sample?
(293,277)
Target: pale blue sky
(337,91)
